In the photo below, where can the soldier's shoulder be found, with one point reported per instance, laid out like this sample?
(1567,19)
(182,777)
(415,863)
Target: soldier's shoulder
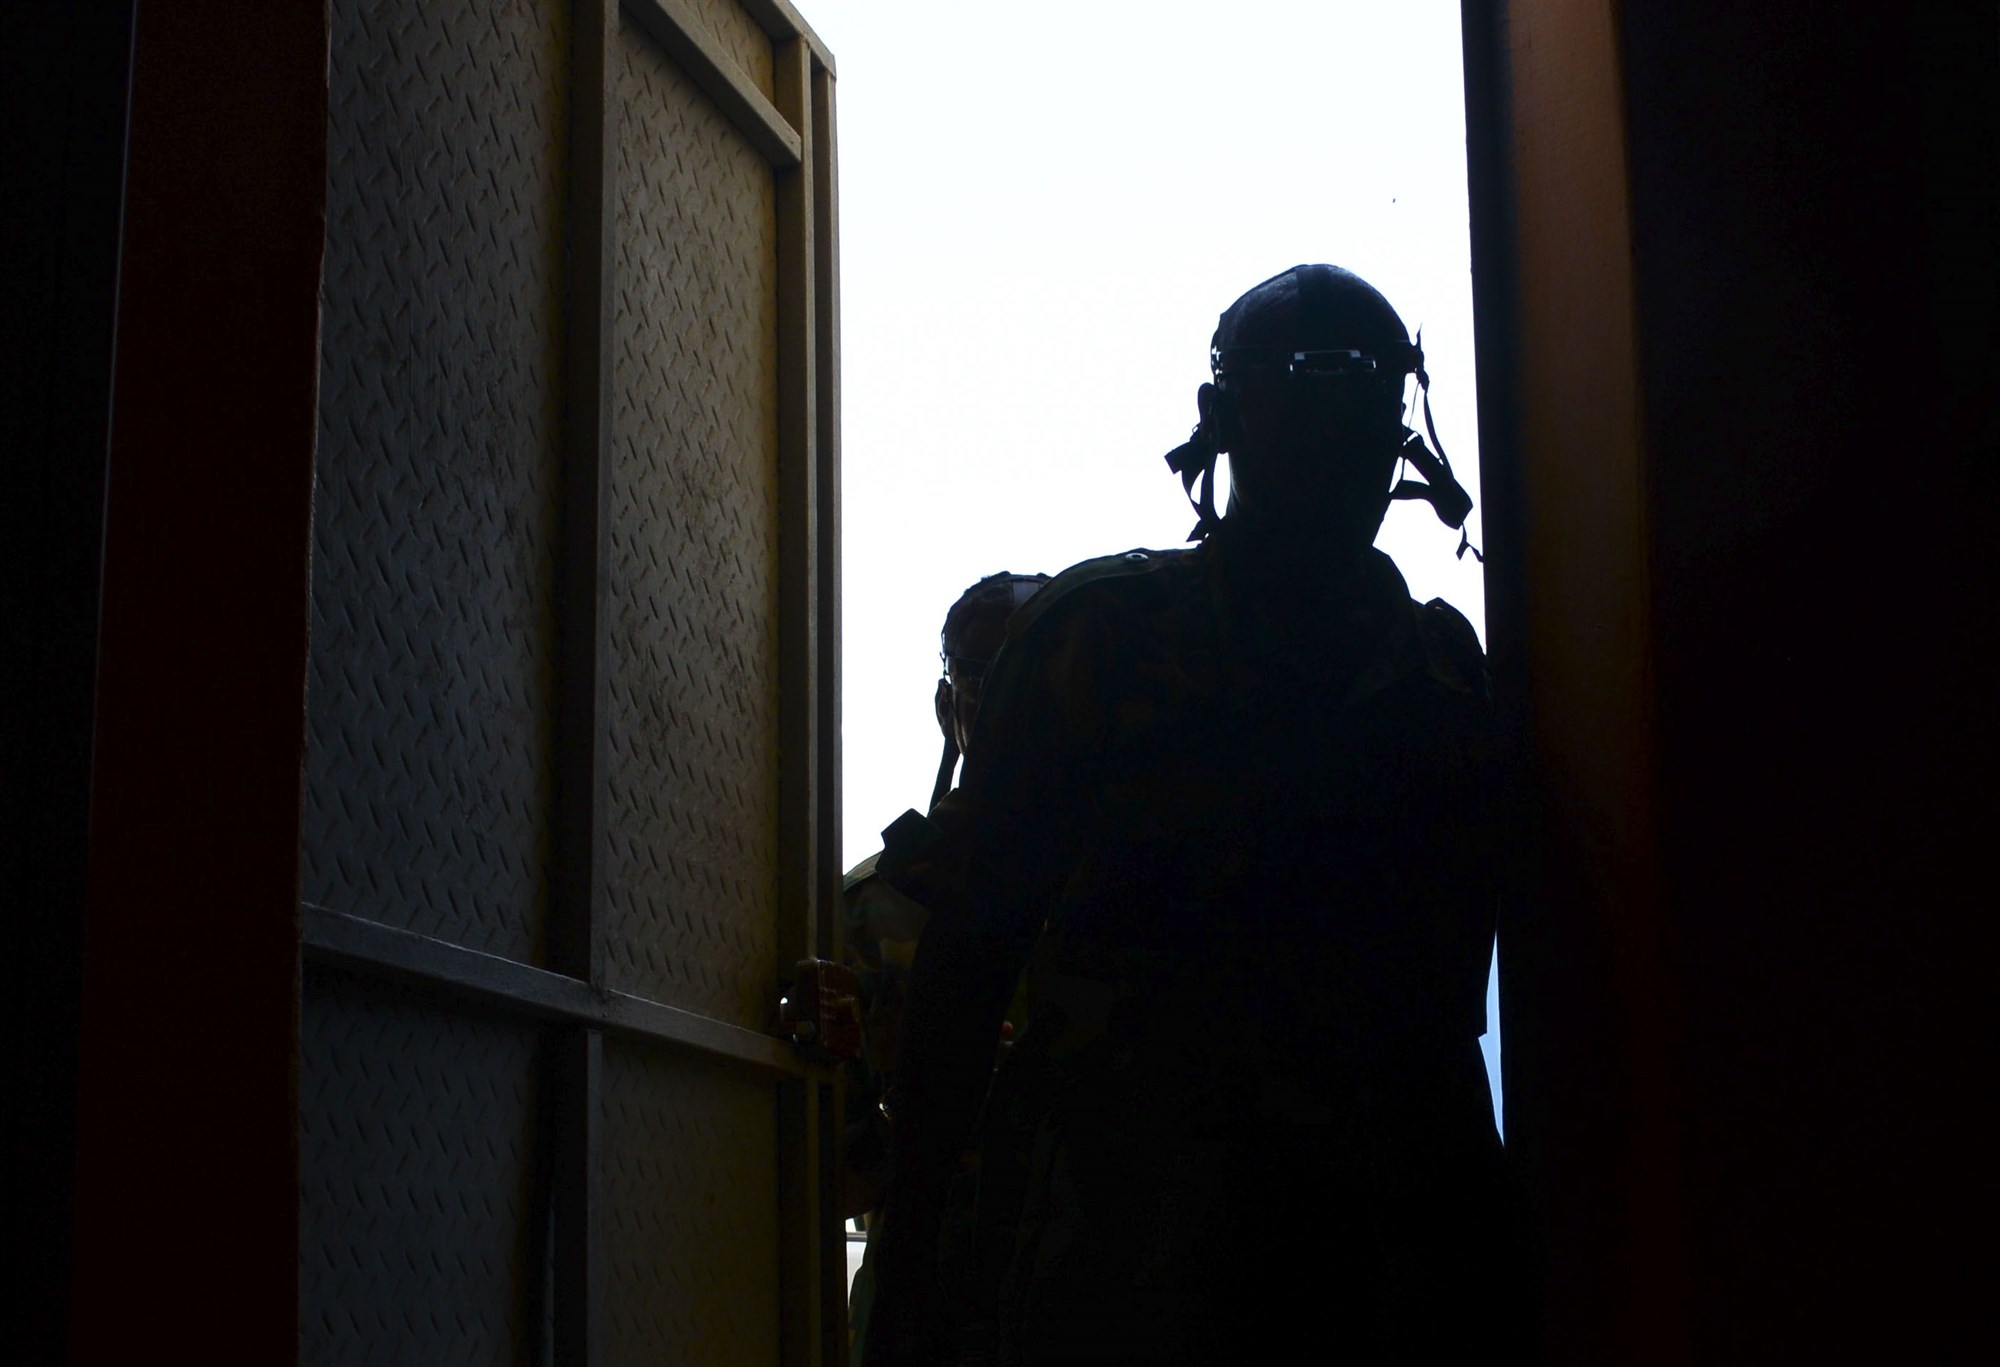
(1077,624)
(1131,581)
(1456,657)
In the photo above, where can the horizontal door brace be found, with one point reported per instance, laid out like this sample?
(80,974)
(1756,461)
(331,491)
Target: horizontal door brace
(340,940)
(687,41)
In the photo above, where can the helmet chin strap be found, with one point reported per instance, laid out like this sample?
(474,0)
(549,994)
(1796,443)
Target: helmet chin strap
(1441,488)
(1194,460)
(947,767)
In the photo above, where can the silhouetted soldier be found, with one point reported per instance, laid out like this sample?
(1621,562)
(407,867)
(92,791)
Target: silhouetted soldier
(1236,800)
(881,925)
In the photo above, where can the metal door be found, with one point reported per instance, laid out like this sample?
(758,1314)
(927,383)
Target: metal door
(572,745)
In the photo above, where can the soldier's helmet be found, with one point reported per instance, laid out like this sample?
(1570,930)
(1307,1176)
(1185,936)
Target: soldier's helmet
(973,630)
(1327,329)
(1316,307)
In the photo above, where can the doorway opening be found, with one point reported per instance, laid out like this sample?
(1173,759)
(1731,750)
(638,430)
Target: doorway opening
(1041,220)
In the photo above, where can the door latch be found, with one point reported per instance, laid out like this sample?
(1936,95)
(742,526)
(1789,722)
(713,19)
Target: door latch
(822,1010)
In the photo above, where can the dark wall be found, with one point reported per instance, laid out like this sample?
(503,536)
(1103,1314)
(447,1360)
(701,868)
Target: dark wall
(1813,231)
(185,1219)
(63,78)
(1733,270)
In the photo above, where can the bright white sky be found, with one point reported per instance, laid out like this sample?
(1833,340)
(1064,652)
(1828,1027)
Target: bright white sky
(1044,205)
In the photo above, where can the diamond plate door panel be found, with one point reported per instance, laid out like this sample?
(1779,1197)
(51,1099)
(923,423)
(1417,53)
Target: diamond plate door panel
(417,1132)
(690,1212)
(693,600)
(431,688)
